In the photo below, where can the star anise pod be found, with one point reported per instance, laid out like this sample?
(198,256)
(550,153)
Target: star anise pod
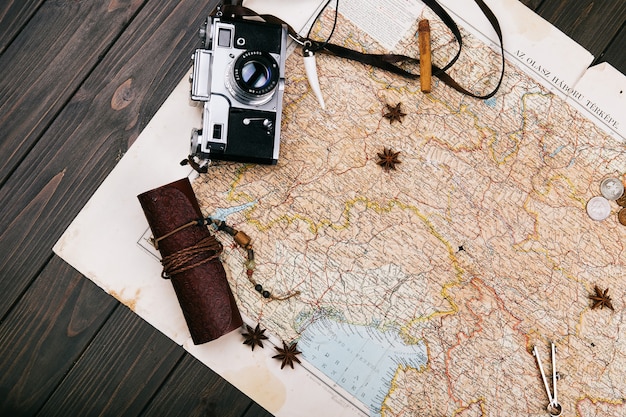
(287,355)
(601,299)
(254,337)
(388,159)
(394,113)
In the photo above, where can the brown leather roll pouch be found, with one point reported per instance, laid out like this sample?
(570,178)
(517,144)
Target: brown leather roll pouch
(194,267)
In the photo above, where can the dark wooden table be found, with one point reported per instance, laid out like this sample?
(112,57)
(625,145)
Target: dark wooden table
(79,80)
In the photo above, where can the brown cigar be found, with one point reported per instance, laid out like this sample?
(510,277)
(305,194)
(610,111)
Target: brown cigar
(423,31)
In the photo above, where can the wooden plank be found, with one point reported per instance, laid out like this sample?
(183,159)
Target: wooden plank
(256,410)
(44,335)
(47,62)
(532,4)
(89,136)
(614,54)
(195,390)
(118,373)
(593,24)
(13,16)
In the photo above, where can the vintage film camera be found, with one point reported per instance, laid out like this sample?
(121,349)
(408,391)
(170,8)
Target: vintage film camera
(240,77)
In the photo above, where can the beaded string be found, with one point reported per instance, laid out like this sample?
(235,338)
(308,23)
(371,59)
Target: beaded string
(244,241)
(178,261)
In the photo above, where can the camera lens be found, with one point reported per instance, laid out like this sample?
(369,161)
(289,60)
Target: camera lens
(254,74)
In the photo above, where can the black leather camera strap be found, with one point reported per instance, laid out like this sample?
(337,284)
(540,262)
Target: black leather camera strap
(389,62)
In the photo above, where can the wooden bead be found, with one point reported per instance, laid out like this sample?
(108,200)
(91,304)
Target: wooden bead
(242,239)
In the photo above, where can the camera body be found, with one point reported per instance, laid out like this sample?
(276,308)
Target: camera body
(240,79)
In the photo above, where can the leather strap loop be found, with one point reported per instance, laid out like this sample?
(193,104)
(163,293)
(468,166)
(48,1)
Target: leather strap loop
(389,62)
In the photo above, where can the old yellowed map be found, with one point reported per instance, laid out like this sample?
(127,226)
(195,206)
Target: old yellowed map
(424,288)
(475,249)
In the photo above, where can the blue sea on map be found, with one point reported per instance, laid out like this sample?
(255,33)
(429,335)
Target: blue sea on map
(360,359)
